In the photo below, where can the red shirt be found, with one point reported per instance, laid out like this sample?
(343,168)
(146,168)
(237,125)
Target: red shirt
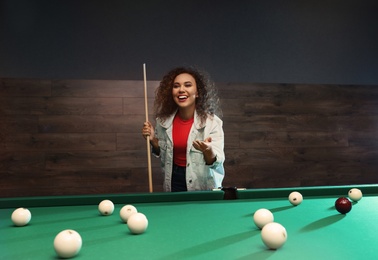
(181,129)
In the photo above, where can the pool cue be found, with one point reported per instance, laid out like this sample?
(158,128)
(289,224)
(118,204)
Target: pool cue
(148,137)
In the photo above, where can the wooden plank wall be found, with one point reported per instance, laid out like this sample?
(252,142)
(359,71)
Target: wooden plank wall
(66,137)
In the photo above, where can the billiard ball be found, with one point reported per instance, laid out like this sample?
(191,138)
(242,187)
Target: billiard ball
(262,217)
(67,243)
(355,194)
(343,205)
(273,235)
(126,211)
(106,207)
(137,223)
(295,198)
(21,217)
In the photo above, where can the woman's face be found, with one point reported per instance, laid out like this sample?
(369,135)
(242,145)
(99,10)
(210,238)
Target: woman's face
(184,91)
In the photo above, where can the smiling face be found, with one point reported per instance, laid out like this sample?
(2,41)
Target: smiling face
(184,92)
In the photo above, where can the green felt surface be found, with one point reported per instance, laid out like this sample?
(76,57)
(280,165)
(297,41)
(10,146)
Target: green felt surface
(201,229)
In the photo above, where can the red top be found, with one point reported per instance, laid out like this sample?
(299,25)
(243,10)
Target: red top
(181,129)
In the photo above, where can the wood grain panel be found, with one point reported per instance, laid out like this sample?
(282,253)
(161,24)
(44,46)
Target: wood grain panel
(81,182)
(59,142)
(102,88)
(292,139)
(245,90)
(131,141)
(11,87)
(14,163)
(60,106)
(83,106)
(347,154)
(18,124)
(262,176)
(90,124)
(231,139)
(255,123)
(99,159)
(318,107)
(135,106)
(257,156)
(367,139)
(62,137)
(342,123)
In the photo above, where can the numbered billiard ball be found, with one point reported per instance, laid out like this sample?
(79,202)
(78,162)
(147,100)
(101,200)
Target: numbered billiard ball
(67,243)
(106,207)
(343,205)
(355,194)
(295,198)
(126,211)
(21,217)
(274,235)
(137,223)
(262,217)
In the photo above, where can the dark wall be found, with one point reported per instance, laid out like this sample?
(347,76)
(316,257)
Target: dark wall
(293,41)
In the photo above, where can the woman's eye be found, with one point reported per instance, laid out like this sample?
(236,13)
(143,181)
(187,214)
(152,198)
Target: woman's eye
(187,85)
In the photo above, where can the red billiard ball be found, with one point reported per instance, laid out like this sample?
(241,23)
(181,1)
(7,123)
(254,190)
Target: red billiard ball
(343,205)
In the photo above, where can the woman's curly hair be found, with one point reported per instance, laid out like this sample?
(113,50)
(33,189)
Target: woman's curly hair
(207,102)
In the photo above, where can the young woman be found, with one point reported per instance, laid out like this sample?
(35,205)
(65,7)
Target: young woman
(188,136)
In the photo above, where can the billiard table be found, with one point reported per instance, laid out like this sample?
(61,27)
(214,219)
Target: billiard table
(197,225)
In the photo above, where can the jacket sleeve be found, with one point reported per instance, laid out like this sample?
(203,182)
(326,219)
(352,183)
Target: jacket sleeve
(217,141)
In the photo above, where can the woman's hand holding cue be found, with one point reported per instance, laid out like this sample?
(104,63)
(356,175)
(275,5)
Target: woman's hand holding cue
(148,130)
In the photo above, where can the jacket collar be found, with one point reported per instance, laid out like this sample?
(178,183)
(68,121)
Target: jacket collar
(197,121)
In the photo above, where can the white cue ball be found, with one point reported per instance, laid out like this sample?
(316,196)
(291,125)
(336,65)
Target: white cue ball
(262,217)
(295,198)
(355,194)
(106,207)
(137,223)
(21,217)
(126,211)
(274,235)
(67,243)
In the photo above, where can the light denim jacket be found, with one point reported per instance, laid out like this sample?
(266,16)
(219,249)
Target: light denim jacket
(199,176)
